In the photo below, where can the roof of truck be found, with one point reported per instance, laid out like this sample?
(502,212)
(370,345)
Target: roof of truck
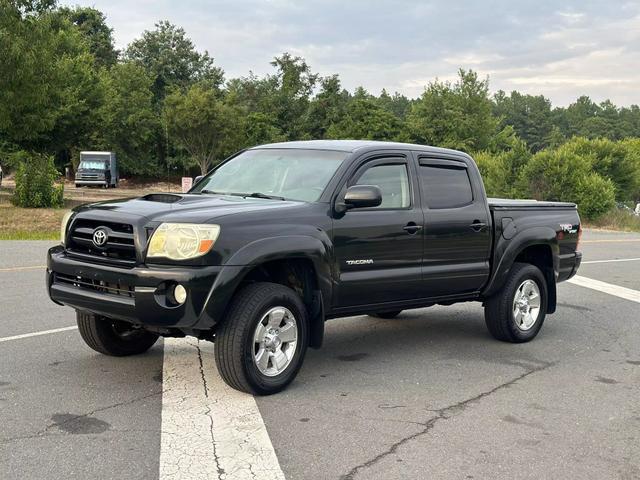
(354,145)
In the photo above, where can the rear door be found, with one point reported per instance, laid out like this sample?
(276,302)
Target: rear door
(379,250)
(457,233)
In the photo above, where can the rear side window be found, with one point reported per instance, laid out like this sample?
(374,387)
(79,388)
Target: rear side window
(445,186)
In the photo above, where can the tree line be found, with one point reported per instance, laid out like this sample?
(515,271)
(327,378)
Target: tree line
(164,106)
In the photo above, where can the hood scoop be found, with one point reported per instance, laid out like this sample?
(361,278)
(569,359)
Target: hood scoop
(162,197)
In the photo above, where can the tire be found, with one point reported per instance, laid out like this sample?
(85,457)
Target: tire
(387,315)
(237,351)
(504,315)
(113,337)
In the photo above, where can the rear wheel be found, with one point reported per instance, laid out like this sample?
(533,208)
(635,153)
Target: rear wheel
(113,337)
(261,345)
(387,315)
(517,313)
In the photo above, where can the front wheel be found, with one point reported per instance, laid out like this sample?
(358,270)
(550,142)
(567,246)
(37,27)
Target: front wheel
(113,337)
(517,312)
(260,347)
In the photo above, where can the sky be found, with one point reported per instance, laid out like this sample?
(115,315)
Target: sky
(561,49)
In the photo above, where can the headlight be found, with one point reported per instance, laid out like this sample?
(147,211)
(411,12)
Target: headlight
(181,241)
(64,225)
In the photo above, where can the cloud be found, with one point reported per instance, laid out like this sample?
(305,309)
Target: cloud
(560,50)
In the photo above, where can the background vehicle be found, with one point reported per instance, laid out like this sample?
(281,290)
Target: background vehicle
(281,237)
(97,168)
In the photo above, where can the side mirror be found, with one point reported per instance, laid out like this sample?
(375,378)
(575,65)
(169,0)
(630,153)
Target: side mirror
(362,196)
(197,179)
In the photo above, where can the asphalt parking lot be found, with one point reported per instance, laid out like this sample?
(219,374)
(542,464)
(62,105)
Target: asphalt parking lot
(427,395)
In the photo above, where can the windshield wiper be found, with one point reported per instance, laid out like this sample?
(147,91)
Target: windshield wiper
(244,195)
(211,192)
(263,195)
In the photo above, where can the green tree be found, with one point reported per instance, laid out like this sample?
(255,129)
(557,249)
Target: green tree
(457,115)
(502,171)
(92,24)
(172,59)
(288,94)
(327,108)
(365,119)
(202,124)
(48,84)
(529,115)
(127,121)
(397,104)
(249,95)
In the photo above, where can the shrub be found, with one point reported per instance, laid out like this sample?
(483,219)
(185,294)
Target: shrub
(494,173)
(555,175)
(618,161)
(35,181)
(595,196)
(563,175)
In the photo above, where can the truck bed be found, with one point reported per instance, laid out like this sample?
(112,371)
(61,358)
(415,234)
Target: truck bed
(512,204)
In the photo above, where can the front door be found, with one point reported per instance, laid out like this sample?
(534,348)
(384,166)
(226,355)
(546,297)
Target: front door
(379,250)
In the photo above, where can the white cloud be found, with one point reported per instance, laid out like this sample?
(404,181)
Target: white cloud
(587,47)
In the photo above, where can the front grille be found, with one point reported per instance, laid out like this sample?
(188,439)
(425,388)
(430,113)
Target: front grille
(119,249)
(118,289)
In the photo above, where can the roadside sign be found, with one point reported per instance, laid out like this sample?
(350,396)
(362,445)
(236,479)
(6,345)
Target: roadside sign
(187,183)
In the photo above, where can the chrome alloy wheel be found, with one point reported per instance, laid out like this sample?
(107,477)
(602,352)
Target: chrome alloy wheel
(526,305)
(274,341)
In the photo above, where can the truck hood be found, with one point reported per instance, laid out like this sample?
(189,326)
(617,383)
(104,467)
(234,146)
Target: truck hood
(186,208)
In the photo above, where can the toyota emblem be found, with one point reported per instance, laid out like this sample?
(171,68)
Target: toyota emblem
(99,237)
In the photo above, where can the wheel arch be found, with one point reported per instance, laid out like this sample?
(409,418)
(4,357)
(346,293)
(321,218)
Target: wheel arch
(299,262)
(537,246)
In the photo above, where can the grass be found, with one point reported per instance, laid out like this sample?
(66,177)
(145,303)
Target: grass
(616,219)
(30,223)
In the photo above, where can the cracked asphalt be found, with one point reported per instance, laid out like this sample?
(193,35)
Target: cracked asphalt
(427,395)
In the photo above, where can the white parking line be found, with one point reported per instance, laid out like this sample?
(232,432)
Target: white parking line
(621,292)
(208,429)
(37,334)
(19,269)
(613,260)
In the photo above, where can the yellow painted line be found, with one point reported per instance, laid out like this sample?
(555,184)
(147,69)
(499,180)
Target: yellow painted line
(18,269)
(613,240)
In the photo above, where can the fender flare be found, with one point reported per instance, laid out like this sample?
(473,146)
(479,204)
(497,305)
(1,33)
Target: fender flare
(526,238)
(265,250)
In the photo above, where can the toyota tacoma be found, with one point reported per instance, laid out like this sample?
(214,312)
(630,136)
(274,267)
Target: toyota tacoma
(279,238)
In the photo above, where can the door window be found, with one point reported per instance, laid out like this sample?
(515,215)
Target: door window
(445,186)
(393,182)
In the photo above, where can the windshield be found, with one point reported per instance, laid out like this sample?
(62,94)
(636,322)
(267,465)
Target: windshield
(93,164)
(289,173)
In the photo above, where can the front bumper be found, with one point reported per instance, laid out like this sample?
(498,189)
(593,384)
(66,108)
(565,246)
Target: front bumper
(137,295)
(90,182)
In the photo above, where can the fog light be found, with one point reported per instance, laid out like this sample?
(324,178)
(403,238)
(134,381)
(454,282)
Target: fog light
(180,294)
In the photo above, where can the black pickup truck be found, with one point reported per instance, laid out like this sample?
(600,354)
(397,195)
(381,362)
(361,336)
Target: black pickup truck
(281,237)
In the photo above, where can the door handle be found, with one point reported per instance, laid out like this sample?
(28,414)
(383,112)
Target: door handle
(412,227)
(478,226)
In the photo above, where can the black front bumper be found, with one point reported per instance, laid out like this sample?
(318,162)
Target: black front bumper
(140,293)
